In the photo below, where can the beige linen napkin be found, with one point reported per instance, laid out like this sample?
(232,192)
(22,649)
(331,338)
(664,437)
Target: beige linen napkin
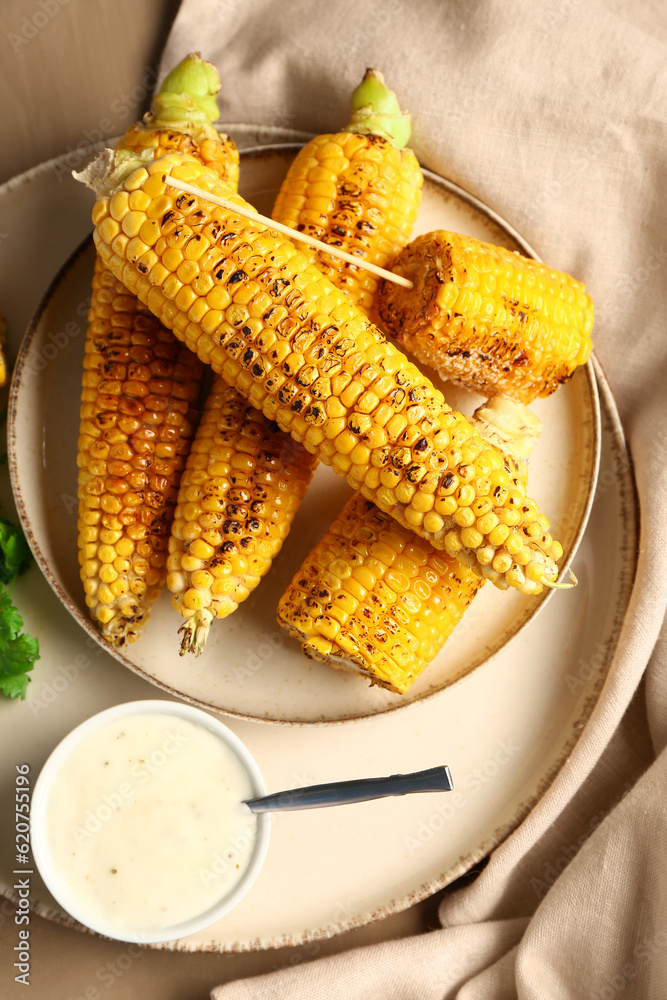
(555,113)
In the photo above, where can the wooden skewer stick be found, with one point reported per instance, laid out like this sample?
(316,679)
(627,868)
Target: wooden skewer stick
(293,234)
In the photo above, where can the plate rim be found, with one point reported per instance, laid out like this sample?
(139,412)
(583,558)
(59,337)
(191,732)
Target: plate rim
(630,495)
(630,499)
(586,371)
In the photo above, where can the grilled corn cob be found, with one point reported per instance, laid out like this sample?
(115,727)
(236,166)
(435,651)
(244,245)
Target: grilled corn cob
(250,305)
(4,373)
(373,597)
(139,390)
(242,486)
(362,192)
(358,189)
(487,318)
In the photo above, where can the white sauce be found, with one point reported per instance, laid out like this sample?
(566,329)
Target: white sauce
(146,822)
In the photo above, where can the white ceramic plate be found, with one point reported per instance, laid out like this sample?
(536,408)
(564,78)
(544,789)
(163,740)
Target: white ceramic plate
(249,669)
(505,732)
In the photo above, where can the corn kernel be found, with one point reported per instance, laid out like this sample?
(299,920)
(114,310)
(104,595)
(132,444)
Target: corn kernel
(423,502)
(514,543)
(487,523)
(464,517)
(498,535)
(108,229)
(90,567)
(453,542)
(105,594)
(515,576)
(502,561)
(201,580)
(150,231)
(471,538)
(132,222)
(108,573)
(193,600)
(535,571)
(446,506)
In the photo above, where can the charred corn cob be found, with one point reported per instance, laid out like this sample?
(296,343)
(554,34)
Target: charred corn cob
(242,486)
(487,318)
(4,372)
(139,390)
(375,598)
(358,189)
(236,565)
(253,307)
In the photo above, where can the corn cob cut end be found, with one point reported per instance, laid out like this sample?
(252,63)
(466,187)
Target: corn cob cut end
(510,427)
(487,318)
(322,650)
(319,648)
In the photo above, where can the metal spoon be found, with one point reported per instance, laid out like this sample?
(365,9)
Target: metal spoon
(339,793)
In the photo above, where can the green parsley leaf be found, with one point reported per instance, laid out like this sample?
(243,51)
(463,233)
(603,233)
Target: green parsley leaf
(11,622)
(16,686)
(15,552)
(18,651)
(18,655)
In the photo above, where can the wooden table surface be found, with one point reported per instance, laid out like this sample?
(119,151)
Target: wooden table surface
(72,72)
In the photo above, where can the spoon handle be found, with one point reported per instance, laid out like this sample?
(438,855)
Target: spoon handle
(338,793)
